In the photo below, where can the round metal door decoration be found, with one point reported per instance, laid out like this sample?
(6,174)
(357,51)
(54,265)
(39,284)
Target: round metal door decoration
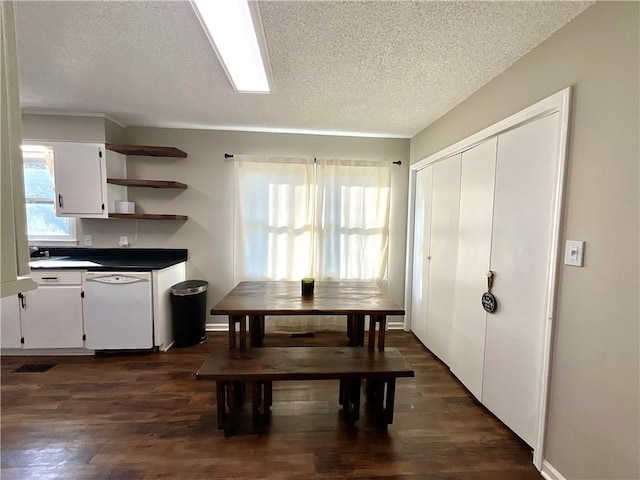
(489,302)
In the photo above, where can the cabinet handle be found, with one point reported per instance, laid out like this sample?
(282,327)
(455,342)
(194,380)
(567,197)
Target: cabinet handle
(49,278)
(23,301)
(60,203)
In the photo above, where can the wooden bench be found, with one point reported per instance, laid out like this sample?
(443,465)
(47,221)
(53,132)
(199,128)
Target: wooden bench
(230,368)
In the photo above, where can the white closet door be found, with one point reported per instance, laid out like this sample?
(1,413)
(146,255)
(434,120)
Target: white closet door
(525,194)
(443,253)
(421,237)
(474,248)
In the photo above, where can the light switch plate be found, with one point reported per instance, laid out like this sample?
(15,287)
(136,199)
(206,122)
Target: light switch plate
(574,253)
(124,241)
(88,240)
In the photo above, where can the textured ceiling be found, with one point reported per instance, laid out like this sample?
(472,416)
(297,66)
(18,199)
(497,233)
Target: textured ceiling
(381,68)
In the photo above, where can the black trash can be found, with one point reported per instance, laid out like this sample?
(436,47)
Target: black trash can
(188,312)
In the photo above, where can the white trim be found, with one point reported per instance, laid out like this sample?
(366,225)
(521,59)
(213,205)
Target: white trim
(20,284)
(564,103)
(550,473)
(408,281)
(556,103)
(38,111)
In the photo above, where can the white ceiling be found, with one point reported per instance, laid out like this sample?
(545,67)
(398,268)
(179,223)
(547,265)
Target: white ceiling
(385,68)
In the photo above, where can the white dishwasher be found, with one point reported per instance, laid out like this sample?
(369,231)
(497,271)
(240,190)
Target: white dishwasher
(118,310)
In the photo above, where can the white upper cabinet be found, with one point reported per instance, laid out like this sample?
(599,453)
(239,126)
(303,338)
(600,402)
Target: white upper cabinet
(80,180)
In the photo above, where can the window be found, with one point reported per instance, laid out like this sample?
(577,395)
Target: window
(43,226)
(295,217)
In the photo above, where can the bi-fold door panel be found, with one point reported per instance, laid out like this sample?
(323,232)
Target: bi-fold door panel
(473,261)
(421,239)
(523,223)
(443,255)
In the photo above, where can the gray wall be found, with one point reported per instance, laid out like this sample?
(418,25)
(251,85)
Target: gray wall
(208,200)
(593,422)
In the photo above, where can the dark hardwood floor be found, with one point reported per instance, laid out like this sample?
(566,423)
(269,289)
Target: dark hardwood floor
(145,416)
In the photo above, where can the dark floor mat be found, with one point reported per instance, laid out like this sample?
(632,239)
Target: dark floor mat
(35,367)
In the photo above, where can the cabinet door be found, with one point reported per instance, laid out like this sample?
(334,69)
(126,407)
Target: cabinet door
(421,238)
(443,253)
(10,334)
(525,196)
(79,177)
(52,318)
(474,248)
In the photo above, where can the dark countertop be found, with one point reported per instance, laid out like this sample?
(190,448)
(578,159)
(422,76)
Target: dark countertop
(108,259)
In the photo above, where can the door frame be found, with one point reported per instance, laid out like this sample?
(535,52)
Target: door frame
(559,102)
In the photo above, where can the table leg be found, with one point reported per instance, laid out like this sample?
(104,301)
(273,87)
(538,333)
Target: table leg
(350,329)
(372,331)
(381,333)
(358,325)
(232,331)
(256,330)
(243,331)
(261,319)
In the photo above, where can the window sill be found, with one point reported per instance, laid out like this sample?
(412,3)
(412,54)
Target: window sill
(53,243)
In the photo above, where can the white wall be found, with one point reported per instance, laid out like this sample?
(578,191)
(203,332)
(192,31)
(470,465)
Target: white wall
(594,410)
(208,200)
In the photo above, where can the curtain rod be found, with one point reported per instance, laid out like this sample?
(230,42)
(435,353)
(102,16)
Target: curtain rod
(230,155)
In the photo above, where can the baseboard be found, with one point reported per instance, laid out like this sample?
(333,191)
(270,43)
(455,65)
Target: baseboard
(224,327)
(549,472)
(47,352)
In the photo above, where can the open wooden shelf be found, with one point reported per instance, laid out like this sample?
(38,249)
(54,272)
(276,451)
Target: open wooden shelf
(147,216)
(146,151)
(132,182)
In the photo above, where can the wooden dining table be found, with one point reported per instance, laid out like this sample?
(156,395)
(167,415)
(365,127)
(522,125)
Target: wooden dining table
(353,299)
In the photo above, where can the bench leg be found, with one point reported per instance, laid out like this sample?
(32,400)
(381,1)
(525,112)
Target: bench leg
(256,402)
(389,404)
(231,418)
(268,400)
(349,398)
(346,401)
(356,385)
(221,403)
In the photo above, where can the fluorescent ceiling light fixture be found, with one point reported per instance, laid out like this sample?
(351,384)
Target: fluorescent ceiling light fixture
(235,37)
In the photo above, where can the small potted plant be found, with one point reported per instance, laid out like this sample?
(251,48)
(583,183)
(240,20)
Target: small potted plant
(307,284)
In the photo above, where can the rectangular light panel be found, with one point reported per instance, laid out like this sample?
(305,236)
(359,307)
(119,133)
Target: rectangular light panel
(230,28)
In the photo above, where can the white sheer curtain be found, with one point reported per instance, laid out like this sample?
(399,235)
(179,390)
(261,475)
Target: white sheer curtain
(295,217)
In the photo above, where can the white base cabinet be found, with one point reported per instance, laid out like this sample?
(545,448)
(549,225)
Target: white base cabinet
(51,315)
(10,329)
(49,320)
